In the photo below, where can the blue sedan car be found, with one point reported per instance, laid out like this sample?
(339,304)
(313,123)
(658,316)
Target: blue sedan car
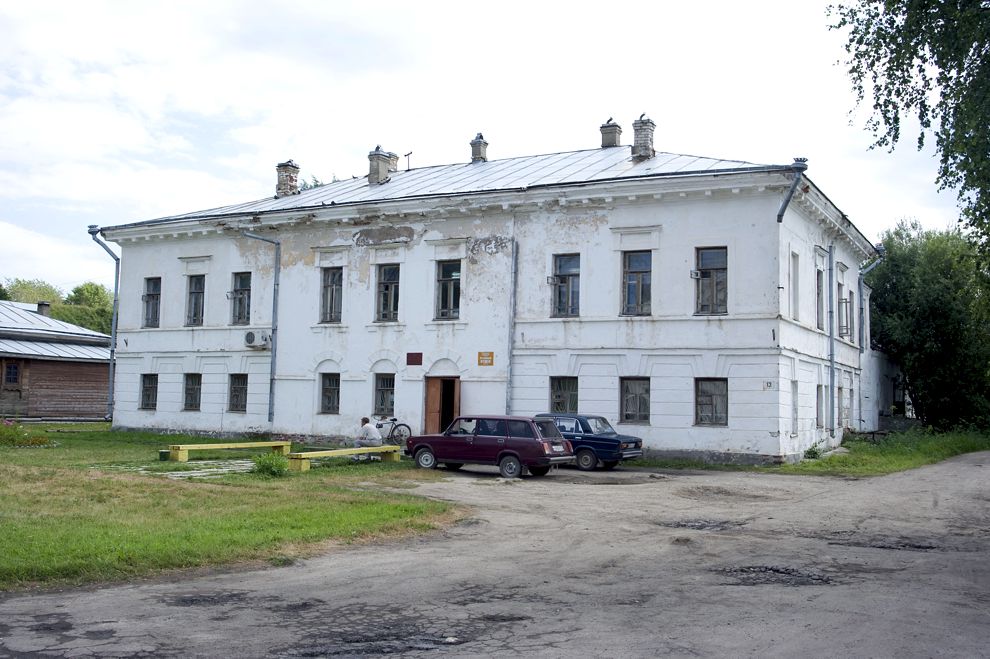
(595,440)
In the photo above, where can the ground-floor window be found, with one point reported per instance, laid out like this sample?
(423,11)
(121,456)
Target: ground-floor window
(564,394)
(330,393)
(820,406)
(711,401)
(12,373)
(237,392)
(192,391)
(149,391)
(385,394)
(634,396)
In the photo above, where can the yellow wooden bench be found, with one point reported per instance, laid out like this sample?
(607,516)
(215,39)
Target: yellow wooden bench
(180,452)
(300,461)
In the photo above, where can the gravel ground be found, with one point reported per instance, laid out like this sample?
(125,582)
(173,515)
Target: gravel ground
(623,563)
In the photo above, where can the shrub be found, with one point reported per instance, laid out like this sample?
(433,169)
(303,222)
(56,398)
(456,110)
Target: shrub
(271,464)
(15,434)
(813,452)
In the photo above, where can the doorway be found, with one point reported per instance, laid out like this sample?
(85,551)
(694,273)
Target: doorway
(443,403)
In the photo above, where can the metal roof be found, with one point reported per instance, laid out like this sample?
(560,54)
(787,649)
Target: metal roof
(574,167)
(56,351)
(26,333)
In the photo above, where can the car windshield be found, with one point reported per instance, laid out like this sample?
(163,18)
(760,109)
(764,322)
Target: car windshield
(599,425)
(548,430)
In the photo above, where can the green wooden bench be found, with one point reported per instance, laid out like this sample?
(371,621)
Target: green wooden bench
(300,461)
(180,452)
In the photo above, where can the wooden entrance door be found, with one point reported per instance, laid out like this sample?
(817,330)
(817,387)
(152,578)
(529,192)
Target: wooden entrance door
(443,403)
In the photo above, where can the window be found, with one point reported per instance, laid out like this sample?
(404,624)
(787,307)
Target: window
(384,394)
(564,395)
(491,427)
(795,286)
(567,285)
(388,293)
(240,299)
(712,280)
(820,406)
(152,301)
(192,390)
(331,295)
(794,407)
(820,299)
(330,393)
(850,303)
(448,290)
(636,268)
(520,429)
(843,311)
(12,374)
(711,402)
(149,391)
(635,400)
(237,392)
(838,421)
(195,298)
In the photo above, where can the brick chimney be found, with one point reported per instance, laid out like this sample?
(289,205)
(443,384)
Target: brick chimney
(380,165)
(288,179)
(643,138)
(611,132)
(45,309)
(479,149)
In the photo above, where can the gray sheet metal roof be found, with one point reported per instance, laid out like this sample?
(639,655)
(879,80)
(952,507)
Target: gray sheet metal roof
(55,351)
(569,168)
(26,333)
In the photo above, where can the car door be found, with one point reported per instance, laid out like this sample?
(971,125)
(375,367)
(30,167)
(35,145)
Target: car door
(489,440)
(458,441)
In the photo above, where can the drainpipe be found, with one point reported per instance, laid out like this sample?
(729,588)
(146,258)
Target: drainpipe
(278,267)
(94,231)
(831,340)
(799,167)
(862,323)
(512,322)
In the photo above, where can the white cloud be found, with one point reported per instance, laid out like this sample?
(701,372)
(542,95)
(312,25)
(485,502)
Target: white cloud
(63,263)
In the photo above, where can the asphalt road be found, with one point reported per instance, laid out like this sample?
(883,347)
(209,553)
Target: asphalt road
(620,564)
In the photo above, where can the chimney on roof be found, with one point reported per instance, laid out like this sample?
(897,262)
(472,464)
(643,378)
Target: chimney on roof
(479,149)
(643,138)
(288,179)
(380,165)
(45,309)
(611,132)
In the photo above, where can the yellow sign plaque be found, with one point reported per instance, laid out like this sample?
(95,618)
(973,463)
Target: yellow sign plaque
(486,359)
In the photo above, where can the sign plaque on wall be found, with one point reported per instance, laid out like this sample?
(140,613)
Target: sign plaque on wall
(486,359)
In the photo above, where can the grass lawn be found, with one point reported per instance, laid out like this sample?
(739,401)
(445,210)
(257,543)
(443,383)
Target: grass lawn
(79,513)
(894,452)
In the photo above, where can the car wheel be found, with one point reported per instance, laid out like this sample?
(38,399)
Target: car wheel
(425,459)
(452,466)
(510,467)
(539,471)
(609,464)
(586,460)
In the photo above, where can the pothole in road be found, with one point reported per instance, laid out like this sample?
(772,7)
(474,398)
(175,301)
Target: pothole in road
(624,479)
(705,492)
(206,599)
(702,524)
(771,575)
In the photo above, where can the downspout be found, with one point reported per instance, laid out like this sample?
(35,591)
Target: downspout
(831,340)
(862,324)
(799,167)
(94,231)
(512,322)
(278,267)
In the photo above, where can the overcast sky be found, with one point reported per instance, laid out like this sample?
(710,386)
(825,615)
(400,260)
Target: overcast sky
(116,112)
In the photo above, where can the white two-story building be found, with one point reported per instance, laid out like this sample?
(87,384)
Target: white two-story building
(709,306)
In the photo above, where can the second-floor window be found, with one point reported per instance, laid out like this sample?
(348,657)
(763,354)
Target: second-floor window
(195,298)
(240,299)
(448,290)
(636,270)
(331,292)
(387,308)
(152,301)
(712,291)
(567,284)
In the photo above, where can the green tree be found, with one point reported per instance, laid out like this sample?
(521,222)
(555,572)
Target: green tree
(32,291)
(90,294)
(88,305)
(931,59)
(929,313)
(4,295)
(313,182)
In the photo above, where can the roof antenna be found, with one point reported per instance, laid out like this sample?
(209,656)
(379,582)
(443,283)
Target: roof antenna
(407,160)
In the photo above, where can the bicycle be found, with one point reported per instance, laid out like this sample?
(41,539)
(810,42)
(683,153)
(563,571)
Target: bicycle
(398,433)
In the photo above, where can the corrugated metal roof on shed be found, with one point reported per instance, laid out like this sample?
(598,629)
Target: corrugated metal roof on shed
(55,351)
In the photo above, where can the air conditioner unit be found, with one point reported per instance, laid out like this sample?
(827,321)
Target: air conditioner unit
(695,274)
(553,280)
(256,339)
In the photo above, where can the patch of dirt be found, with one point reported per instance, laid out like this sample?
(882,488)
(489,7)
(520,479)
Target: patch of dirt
(772,575)
(707,492)
(702,524)
(206,599)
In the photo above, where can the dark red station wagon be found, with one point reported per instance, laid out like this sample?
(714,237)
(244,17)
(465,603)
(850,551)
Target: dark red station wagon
(513,443)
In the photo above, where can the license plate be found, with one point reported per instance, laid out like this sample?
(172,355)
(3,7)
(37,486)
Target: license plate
(558,449)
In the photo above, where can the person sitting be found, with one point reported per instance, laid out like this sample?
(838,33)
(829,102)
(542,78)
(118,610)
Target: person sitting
(367,436)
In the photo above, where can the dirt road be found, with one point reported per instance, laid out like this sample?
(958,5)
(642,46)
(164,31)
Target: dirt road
(628,564)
